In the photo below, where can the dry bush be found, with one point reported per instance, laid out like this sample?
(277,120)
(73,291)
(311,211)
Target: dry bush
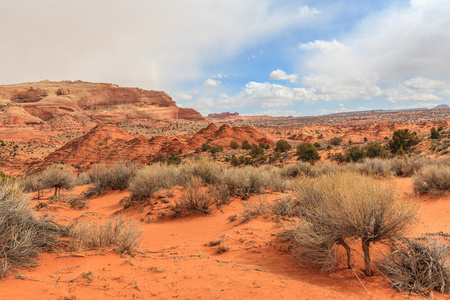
(58,177)
(374,167)
(416,266)
(298,169)
(342,207)
(274,178)
(255,208)
(432,178)
(32,183)
(209,171)
(151,179)
(322,168)
(123,233)
(22,234)
(286,207)
(105,177)
(406,167)
(193,199)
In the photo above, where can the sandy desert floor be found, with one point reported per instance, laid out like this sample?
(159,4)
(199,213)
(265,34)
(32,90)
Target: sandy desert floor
(175,262)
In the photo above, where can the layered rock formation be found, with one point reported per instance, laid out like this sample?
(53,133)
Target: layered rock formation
(31,103)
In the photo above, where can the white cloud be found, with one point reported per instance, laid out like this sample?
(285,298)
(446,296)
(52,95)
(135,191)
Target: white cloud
(220,76)
(155,44)
(183,96)
(323,46)
(256,93)
(328,88)
(418,89)
(212,82)
(305,11)
(281,75)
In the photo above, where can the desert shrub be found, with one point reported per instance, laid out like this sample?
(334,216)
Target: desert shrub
(300,168)
(123,233)
(375,149)
(373,167)
(234,160)
(58,177)
(173,159)
(22,235)
(336,141)
(286,206)
(234,145)
(205,147)
(32,183)
(307,152)
(193,199)
(403,139)
(405,167)
(317,145)
(432,178)
(264,146)
(256,151)
(322,168)
(435,134)
(342,207)
(105,177)
(255,208)
(246,145)
(282,146)
(338,157)
(417,266)
(216,148)
(209,171)
(329,147)
(354,154)
(151,179)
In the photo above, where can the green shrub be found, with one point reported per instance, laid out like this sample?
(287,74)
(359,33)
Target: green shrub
(355,154)
(336,141)
(435,134)
(256,151)
(374,149)
(234,145)
(307,152)
(403,139)
(246,145)
(317,145)
(282,146)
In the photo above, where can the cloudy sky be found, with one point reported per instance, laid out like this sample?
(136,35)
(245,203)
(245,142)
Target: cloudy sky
(274,57)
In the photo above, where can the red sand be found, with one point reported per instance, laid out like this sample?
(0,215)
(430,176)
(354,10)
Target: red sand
(176,264)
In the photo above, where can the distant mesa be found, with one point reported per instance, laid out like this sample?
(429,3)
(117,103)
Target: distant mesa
(40,102)
(441,106)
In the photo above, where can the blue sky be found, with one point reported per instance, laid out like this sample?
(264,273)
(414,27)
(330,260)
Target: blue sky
(254,57)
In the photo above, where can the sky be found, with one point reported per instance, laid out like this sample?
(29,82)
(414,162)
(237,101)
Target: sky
(255,57)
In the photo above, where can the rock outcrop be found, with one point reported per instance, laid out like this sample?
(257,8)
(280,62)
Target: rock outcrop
(97,102)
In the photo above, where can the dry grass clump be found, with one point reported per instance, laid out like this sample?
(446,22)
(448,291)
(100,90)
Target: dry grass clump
(194,199)
(58,177)
(339,208)
(255,208)
(406,167)
(119,231)
(432,178)
(105,177)
(209,171)
(22,234)
(298,169)
(418,266)
(375,167)
(151,179)
(286,207)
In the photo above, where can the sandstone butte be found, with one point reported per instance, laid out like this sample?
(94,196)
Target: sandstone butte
(106,143)
(41,102)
